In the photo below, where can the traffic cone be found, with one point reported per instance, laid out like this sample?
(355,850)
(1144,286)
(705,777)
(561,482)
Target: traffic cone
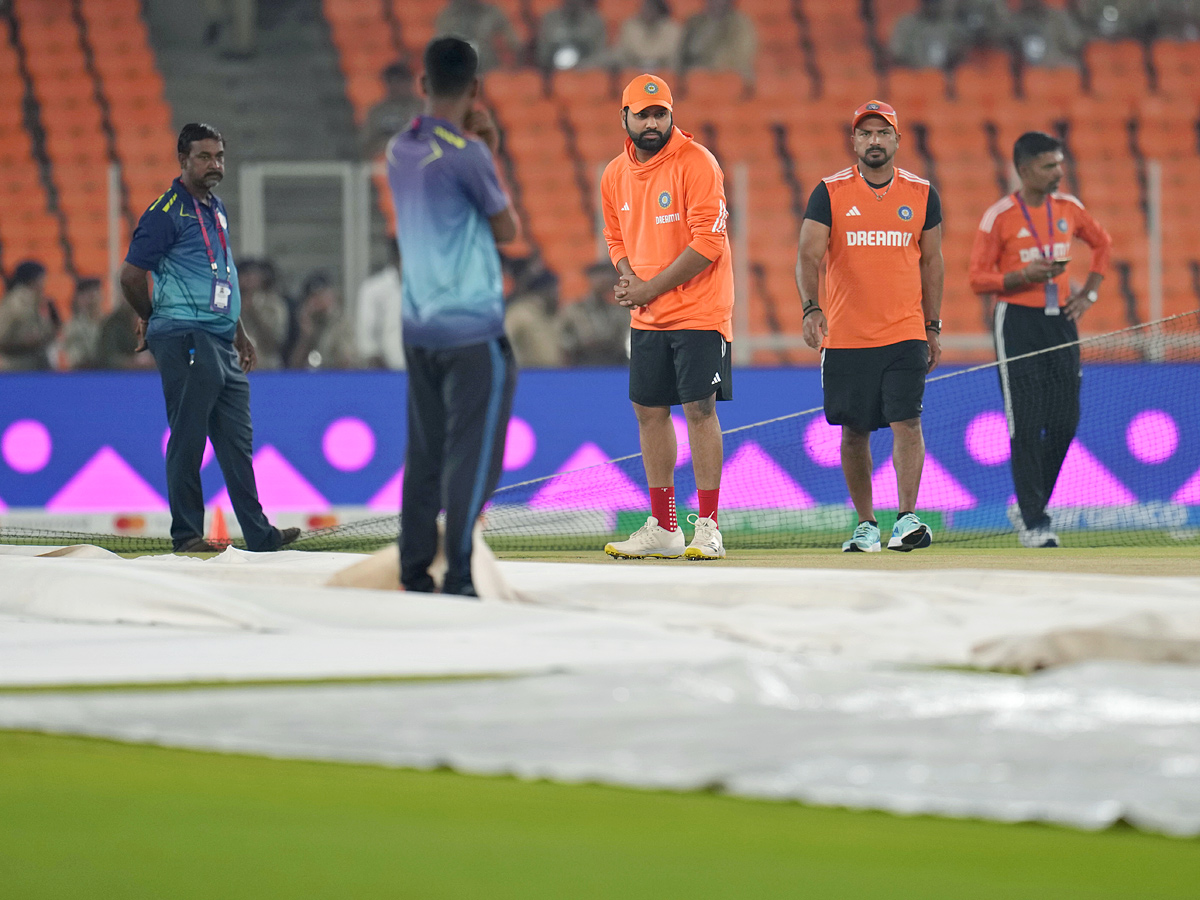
(218,533)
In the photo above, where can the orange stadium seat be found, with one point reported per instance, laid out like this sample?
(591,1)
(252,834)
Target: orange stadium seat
(1117,71)
(985,81)
(1177,68)
(1054,87)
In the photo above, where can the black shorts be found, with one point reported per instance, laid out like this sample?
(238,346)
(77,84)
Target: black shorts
(872,387)
(667,368)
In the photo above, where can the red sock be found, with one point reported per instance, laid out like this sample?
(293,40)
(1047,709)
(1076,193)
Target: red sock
(707,500)
(662,507)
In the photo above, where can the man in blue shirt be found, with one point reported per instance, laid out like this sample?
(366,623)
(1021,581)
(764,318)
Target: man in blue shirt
(451,212)
(192,326)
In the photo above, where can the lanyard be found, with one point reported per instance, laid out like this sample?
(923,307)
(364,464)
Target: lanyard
(1046,250)
(212,260)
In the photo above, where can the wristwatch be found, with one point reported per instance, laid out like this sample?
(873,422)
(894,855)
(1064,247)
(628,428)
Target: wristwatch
(934,325)
(1092,296)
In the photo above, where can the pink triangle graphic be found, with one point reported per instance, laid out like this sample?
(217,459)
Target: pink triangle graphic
(280,486)
(106,483)
(1084,481)
(1189,494)
(751,479)
(588,481)
(387,498)
(939,489)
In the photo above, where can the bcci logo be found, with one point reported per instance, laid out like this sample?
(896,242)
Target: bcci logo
(905,212)
(872,106)
(1062,225)
(664,199)
(651,87)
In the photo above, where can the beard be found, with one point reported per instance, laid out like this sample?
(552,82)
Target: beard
(875,158)
(649,141)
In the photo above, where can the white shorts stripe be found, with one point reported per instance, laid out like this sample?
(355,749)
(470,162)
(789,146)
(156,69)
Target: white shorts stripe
(1002,359)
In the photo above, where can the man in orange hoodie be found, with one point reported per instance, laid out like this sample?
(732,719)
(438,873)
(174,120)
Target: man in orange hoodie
(665,222)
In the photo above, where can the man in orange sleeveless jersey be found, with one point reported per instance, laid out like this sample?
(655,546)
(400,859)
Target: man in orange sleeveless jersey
(879,329)
(664,220)
(1021,252)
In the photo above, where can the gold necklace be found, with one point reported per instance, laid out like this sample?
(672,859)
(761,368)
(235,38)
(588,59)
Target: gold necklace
(878,196)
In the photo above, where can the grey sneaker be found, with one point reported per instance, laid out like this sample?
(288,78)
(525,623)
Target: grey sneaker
(1037,538)
(864,540)
(909,533)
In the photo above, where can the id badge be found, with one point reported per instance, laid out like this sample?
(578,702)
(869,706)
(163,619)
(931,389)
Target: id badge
(1052,298)
(219,302)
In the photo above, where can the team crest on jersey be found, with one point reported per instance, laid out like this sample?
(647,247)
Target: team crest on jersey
(905,212)
(651,87)
(664,199)
(1062,225)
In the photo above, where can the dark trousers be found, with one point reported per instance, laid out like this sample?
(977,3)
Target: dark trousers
(459,402)
(208,396)
(1041,400)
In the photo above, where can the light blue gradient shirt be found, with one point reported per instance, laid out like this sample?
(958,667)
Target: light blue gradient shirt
(168,242)
(445,189)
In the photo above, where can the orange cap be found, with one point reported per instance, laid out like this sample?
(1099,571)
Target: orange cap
(876,108)
(644,91)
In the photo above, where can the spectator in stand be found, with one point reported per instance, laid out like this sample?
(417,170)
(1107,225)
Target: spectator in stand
(1116,19)
(1045,36)
(80,340)
(321,337)
(573,36)
(234,20)
(265,312)
(982,23)
(117,344)
(927,38)
(485,27)
(720,38)
(27,324)
(650,41)
(594,331)
(1177,20)
(392,114)
(377,325)
(529,318)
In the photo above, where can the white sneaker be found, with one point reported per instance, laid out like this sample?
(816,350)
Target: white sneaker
(651,541)
(707,542)
(1034,538)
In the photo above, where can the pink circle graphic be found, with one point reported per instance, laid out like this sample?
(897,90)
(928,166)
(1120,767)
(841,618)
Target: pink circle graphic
(683,443)
(519,444)
(823,443)
(26,446)
(208,448)
(348,444)
(1152,436)
(986,439)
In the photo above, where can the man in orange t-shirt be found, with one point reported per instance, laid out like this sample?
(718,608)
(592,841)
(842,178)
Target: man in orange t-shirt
(881,228)
(664,220)
(1021,252)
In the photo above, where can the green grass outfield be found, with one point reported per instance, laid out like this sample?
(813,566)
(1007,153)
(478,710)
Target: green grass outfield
(1180,560)
(95,819)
